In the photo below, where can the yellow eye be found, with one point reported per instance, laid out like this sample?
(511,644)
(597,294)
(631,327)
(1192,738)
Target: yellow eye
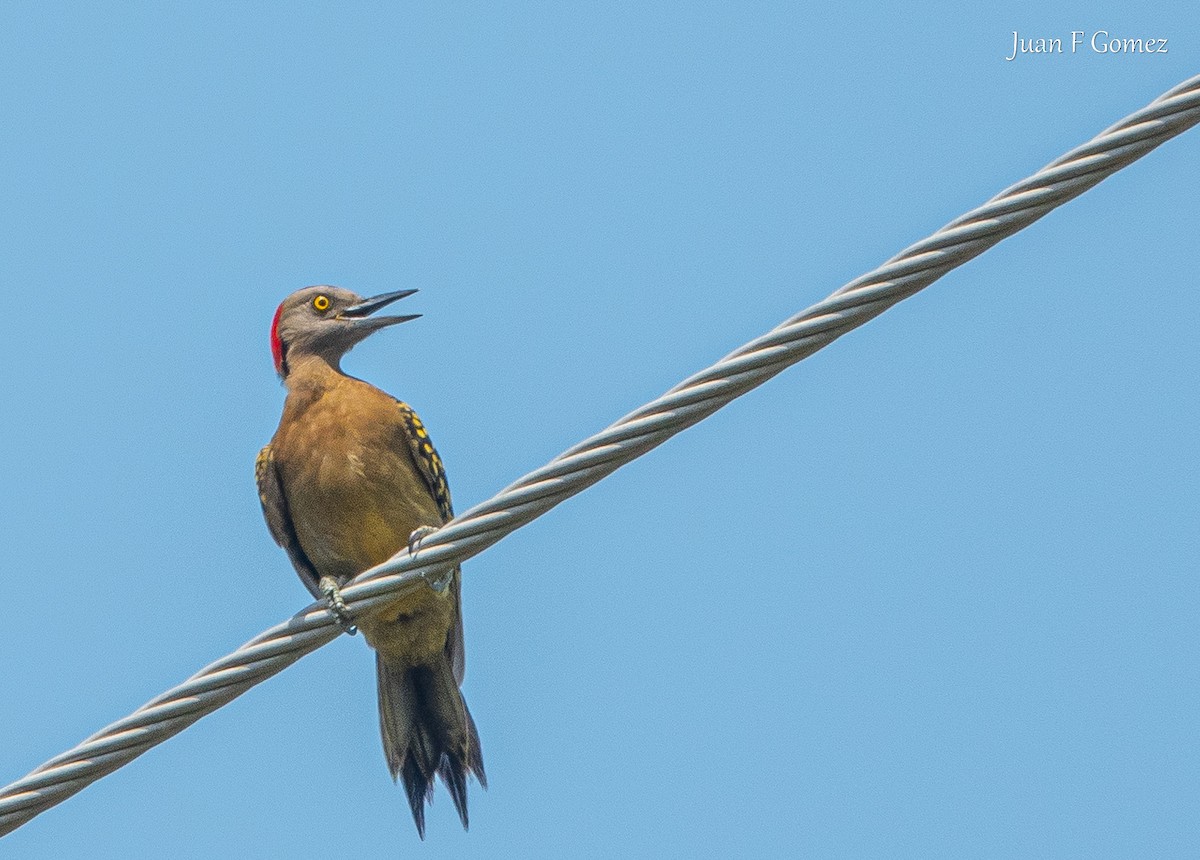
(321,303)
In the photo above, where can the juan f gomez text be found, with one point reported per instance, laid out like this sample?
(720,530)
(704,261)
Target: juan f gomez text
(1099,42)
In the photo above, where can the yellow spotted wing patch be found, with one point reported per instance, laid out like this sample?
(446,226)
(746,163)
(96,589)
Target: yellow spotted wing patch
(427,460)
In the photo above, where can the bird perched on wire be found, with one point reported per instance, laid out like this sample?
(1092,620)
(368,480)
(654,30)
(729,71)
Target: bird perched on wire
(349,479)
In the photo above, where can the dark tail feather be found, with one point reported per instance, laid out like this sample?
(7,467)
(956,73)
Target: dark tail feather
(427,730)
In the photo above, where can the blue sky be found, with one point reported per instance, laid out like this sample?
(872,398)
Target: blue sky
(931,593)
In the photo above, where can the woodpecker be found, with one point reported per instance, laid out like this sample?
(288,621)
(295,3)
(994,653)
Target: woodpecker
(349,479)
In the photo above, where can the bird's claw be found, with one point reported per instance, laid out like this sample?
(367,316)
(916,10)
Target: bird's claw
(419,534)
(336,605)
(437,579)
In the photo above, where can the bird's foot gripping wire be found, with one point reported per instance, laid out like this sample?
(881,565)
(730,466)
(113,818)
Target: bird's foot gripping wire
(419,534)
(437,579)
(337,606)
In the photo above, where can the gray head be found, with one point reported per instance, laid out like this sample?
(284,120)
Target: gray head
(327,322)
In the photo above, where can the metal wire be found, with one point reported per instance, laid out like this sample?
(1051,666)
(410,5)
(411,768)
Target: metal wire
(586,463)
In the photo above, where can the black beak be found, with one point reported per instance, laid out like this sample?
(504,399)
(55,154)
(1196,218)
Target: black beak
(366,307)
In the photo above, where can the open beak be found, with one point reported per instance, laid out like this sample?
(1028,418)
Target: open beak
(360,313)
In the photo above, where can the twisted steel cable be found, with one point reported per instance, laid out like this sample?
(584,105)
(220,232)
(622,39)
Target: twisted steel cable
(586,463)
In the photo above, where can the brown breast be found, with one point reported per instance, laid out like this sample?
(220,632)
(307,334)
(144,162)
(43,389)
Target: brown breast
(354,493)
